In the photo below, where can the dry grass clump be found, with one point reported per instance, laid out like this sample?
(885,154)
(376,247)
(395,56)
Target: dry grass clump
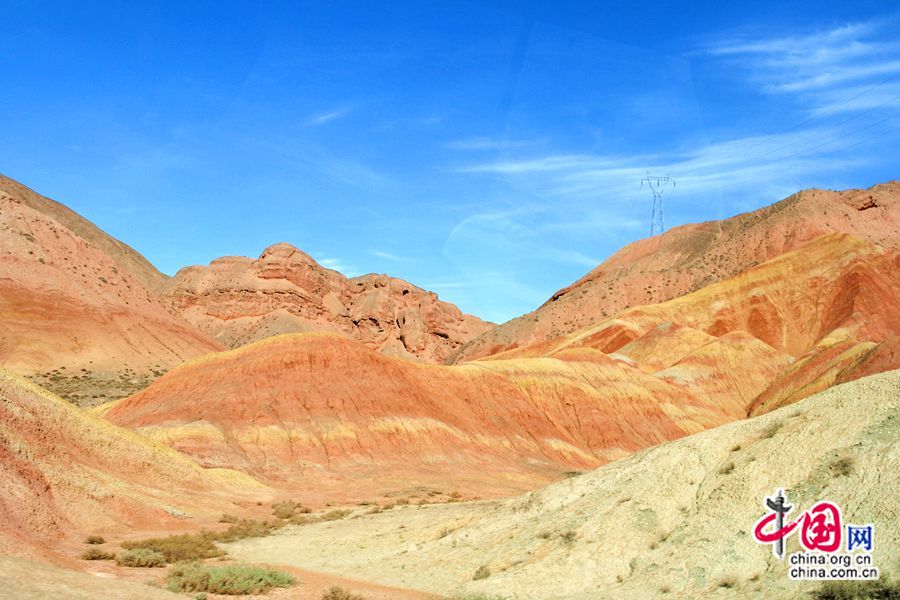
(843,466)
(883,588)
(178,547)
(287,508)
(238,579)
(94,539)
(97,554)
(335,515)
(227,518)
(568,537)
(726,468)
(771,430)
(339,593)
(140,557)
(243,529)
(481,572)
(727,582)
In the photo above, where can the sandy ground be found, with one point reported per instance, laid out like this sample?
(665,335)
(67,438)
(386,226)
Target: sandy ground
(673,521)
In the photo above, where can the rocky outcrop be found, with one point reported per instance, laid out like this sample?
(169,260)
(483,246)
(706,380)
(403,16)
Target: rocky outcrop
(687,258)
(238,300)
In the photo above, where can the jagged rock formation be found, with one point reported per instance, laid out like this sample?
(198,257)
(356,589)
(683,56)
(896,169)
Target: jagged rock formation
(75,310)
(687,258)
(238,300)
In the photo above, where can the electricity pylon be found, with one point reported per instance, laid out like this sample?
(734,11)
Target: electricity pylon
(657,186)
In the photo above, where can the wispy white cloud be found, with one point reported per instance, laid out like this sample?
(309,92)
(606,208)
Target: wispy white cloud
(853,54)
(388,256)
(328,116)
(488,143)
(339,265)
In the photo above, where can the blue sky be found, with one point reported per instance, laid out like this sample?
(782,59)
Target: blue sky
(489,151)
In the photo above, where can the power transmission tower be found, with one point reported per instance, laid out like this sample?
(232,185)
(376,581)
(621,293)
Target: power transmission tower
(657,186)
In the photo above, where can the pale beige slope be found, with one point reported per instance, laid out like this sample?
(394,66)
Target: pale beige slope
(27,580)
(675,518)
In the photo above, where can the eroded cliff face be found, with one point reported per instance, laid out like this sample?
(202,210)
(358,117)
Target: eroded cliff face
(687,258)
(239,300)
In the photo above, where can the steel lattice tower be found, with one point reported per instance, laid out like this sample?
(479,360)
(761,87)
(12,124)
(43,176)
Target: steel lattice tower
(657,186)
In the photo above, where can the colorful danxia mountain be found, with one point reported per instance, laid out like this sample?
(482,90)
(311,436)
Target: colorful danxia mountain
(362,432)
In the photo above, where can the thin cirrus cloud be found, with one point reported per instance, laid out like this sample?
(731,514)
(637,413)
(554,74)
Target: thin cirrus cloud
(488,143)
(847,69)
(852,54)
(389,256)
(337,264)
(326,117)
(576,204)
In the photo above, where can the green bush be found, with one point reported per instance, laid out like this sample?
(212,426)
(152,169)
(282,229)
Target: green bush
(97,554)
(339,593)
(140,557)
(179,547)
(235,579)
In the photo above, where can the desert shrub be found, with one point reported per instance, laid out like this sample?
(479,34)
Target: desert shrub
(879,589)
(727,582)
(140,557)
(335,515)
(339,593)
(287,508)
(771,430)
(97,554)
(727,468)
(235,579)
(843,466)
(569,537)
(179,547)
(227,518)
(94,539)
(481,572)
(243,529)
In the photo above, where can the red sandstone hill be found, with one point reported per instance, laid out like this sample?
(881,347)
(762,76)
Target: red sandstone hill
(687,258)
(76,313)
(238,300)
(318,408)
(65,472)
